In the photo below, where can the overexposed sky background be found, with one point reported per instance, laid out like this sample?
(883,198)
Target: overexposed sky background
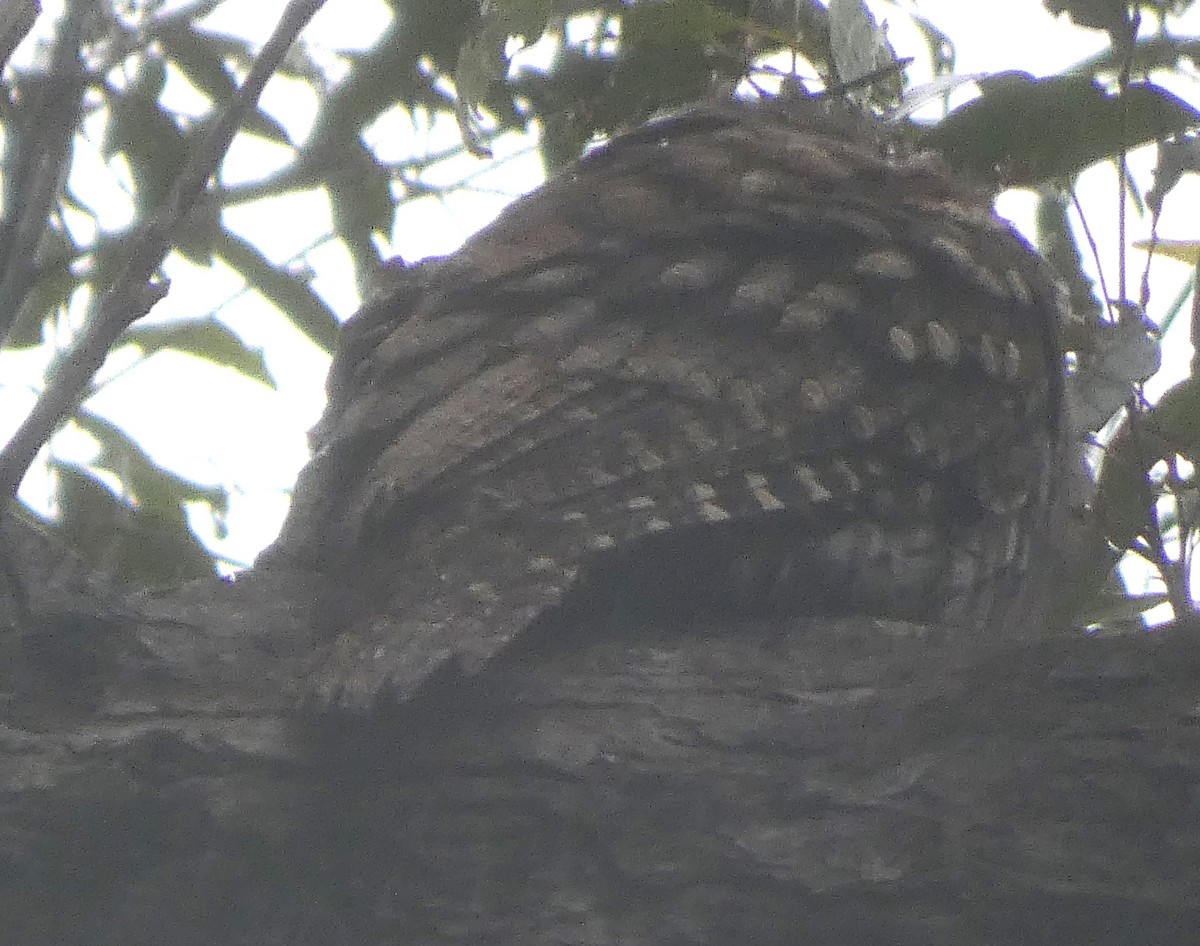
(216,427)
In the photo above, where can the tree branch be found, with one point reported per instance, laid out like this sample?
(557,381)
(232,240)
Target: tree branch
(136,291)
(845,781)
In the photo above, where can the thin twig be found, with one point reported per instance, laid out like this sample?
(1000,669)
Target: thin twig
(1123,158)
(311,170)
(136,290)
(872,77)
(1091,241)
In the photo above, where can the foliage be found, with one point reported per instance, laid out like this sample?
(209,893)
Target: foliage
(102,68)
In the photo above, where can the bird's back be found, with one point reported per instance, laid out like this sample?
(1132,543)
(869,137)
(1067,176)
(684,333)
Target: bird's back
(749,357)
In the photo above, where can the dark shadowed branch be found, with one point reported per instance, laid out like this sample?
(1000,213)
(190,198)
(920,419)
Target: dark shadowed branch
(822,782)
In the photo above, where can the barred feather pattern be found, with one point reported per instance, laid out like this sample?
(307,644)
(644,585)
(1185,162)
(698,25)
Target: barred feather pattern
(747,357)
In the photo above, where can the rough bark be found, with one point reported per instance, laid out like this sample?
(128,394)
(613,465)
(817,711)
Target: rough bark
(774,782)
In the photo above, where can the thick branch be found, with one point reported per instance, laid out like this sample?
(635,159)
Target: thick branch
(838,782)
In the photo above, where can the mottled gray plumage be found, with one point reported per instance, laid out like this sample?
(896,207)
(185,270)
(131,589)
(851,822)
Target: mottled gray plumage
(748,356)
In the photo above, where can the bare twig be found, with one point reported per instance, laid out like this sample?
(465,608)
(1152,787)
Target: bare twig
(1127,40)
(864,81)
(136,290)
(1095,250)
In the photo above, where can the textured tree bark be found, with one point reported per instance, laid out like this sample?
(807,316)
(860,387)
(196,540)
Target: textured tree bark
(768,782)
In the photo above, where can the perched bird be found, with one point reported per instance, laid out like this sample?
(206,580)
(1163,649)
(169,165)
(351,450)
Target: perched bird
(752,357)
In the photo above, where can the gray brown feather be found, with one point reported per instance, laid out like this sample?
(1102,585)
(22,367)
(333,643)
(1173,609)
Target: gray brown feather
(758,357)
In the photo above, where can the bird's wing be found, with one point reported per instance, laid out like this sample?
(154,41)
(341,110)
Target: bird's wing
(731,337)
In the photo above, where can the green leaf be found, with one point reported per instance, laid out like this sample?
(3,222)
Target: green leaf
(151,142)
(1110,15)
(481,64)
(394,69)
(153,488)
(525,18)
(197,233)
(115,537)
(799,25)
(1175,420)
(1087,575)
(198,58)
(207,339)
(1125,498)
(859,44)
(1150,53)
(939,44)
(1036,130)
(669,52)
(51,290)
(361,203)
(203,61)
(292,296)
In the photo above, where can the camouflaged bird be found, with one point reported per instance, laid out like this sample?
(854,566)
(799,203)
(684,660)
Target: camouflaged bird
(750,356)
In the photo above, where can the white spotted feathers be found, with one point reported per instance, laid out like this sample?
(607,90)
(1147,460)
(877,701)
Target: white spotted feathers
(748,356)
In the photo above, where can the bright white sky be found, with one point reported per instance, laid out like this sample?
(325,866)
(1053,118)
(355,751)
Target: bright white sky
(216,427)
